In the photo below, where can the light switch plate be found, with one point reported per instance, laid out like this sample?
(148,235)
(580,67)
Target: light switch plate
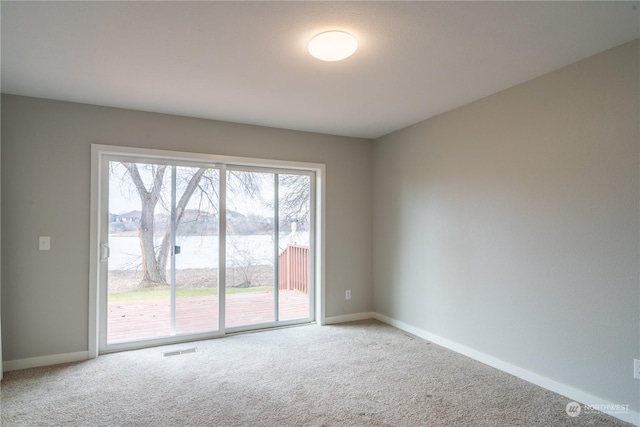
(45,243)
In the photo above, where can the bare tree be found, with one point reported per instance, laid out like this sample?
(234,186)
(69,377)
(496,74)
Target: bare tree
(294,204)
(244,265)
(154,264)
(295,198)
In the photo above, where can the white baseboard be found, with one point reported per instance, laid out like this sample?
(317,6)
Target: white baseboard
(539,380)
(35,362)
(348,318)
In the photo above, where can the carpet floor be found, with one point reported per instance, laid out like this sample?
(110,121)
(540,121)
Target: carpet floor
(353,374)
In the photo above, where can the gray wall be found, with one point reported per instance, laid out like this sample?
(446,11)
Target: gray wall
(45,191)
(510,225)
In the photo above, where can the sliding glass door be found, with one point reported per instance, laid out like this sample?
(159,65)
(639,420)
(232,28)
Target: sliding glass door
(295,219)
(198,250)
(162,251)
(268,247)
(195,262)
(251,270)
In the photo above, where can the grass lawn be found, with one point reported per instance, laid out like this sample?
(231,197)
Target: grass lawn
(162,292)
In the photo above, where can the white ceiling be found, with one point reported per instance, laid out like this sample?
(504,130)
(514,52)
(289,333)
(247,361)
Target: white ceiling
(247,62)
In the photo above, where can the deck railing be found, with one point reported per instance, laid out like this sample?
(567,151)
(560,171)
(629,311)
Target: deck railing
(293,269)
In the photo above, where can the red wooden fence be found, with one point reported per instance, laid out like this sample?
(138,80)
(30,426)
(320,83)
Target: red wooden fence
(293,269)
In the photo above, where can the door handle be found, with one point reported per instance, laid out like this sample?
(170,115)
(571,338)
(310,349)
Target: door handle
(104,252)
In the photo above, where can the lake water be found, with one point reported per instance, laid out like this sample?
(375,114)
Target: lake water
(202,251)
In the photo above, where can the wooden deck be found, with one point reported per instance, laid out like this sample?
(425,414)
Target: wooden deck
(140,320)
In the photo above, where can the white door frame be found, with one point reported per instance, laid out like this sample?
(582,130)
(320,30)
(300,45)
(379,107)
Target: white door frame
(98,200)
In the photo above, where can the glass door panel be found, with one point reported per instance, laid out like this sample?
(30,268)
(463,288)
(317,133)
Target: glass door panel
(163,251)
(294,257)
(138,298)
(250,254)
(196,208)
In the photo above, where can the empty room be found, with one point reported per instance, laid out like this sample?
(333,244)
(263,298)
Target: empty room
(291,213)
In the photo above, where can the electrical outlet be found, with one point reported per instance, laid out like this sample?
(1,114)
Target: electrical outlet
(636,369)
(347,294)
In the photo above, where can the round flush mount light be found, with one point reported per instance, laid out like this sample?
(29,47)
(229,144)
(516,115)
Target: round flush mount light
(333,46)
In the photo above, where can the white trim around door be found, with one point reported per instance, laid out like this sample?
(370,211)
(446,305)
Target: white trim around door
(99,205)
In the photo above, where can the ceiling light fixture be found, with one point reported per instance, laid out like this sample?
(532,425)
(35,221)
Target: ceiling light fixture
(333,46)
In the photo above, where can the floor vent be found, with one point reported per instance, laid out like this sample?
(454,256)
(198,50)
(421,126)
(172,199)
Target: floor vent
(179,352)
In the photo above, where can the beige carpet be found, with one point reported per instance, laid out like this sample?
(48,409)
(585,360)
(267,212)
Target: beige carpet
(354,374)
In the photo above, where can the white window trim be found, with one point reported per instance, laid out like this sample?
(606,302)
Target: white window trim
(99,151)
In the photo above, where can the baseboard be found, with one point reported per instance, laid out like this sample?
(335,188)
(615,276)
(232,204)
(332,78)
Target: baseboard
(35,362)
(539,380)
(348,318)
